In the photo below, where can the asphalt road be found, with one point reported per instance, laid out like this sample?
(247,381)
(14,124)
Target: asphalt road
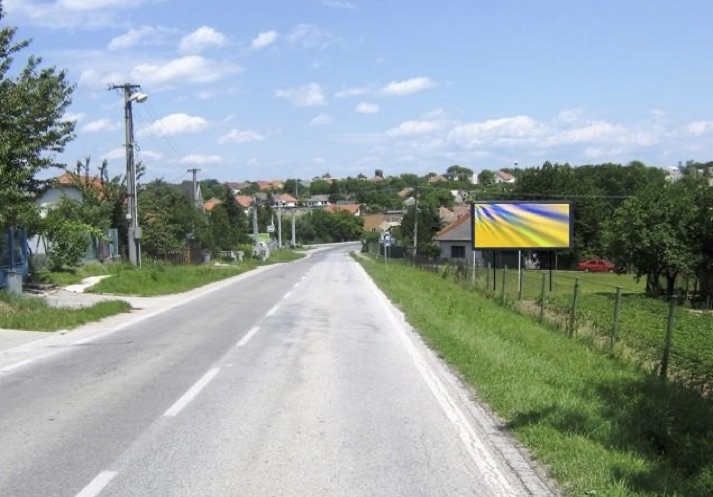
(298,380)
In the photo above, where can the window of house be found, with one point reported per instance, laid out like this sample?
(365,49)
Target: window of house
(457,251)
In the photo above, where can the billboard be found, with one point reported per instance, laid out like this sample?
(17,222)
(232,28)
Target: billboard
(521,225)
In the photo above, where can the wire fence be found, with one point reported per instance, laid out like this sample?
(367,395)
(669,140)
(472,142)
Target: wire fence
(669,338)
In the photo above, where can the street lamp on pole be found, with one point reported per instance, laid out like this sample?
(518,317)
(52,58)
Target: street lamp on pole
(132,93)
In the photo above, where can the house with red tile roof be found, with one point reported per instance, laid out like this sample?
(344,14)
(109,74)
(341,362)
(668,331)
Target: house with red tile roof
(504,177)
(245,201)
(210,204)
(287,201)
(354,209)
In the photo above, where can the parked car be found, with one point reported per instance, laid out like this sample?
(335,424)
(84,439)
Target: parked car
(596,266)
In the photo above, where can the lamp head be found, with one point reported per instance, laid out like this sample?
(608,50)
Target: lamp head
(139,97)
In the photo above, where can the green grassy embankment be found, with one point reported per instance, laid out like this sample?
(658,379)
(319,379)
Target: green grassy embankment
(601,426)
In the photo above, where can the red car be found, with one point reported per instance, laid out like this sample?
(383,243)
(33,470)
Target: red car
(596,266)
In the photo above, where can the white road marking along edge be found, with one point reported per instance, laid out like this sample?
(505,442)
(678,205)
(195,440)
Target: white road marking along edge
(273,310)
(476,449)
(97,484)
(191,393)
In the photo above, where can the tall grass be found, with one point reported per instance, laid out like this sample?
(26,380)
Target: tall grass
(163,279)
(34,314)
(601,426)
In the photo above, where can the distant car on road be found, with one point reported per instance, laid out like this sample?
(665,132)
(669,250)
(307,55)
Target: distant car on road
(596,266)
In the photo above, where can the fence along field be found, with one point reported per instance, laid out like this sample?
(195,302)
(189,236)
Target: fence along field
(639,332)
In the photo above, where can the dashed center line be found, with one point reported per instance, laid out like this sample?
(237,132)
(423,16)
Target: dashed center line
(273,310)
(191,393)
(248,336)
(97,484)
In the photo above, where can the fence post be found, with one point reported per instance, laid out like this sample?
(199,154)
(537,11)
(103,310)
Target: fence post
(669,338)
(487,278)
(615,324)
(521,280)
(573,315)
(474,269)
(502,290)
(542,296)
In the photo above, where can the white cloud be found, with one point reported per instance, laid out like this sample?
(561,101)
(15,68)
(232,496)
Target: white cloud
(309,95)
(201,160)
(191,68)
(524,131)
(590,132)
(367,108)
(339,4)
(175,124)
(322,120)
(201,39)
(240,136)
(698,128)
(136,36)
(407,87)
(75,14)
(101,125)
(81,5)
(496,130)
(310,36)
(264,39)
(351,92)
(410,128)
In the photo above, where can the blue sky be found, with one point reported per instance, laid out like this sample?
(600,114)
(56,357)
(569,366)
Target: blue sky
(271,89)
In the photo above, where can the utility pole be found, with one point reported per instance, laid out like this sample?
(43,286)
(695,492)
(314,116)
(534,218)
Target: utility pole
(131,94)
(415,226)
(294,239)
(196,200)
(257,244)
(279,224)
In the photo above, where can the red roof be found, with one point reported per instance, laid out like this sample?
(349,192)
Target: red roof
(285,198)
(244,200)
(208,206)
(452,227)
(350,208)
(72,179)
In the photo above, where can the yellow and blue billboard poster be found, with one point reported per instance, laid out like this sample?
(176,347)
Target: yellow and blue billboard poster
(521,225)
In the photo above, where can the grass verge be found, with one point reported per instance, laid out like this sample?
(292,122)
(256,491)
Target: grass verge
(601,426)
(163,279)
(34,314)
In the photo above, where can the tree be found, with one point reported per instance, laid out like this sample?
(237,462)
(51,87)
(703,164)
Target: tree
(652,234)
(237,218)
(33,101)
(168,217)
(429,223)
(68,235)
(320,226)
(486,177)
(461,173)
